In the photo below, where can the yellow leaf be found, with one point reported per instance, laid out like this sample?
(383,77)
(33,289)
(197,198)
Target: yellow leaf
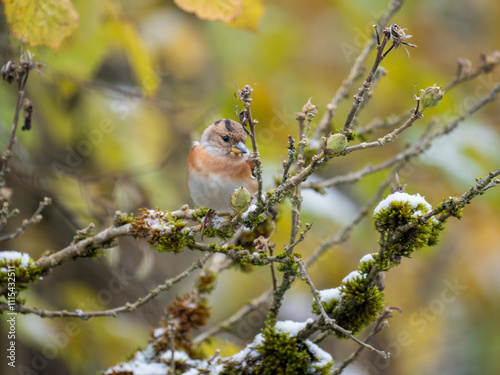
(213,10)
(250,15)
(41,22)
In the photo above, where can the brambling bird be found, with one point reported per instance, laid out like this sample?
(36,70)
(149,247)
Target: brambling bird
(219,164)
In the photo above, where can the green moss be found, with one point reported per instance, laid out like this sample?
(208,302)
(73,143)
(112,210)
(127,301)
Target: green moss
(328,306)
(395,244)
(200,213)
(278,353)
(163,231)
(174,242)
(351,136)
(450,207)
(360,305)
(23,275)
(124,219)
(224,232)
(365,267)
(251,220)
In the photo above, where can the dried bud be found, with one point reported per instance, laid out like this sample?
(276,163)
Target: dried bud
(309,109)
(240,200)
(28,112)
(431,97)
(490,61)
(336,143)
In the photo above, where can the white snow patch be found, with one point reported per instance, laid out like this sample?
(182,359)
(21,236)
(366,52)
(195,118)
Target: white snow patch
(178,356)
(250,209)
(326,295)
(258,340)
(291,327)
(158,332)
(351,276)
(367,257)
(139,366)
(414,201)
(323,358)
(217,222)
(12,256)
(215,370)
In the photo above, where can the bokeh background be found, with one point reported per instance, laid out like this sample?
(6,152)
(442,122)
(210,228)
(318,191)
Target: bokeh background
(117,107)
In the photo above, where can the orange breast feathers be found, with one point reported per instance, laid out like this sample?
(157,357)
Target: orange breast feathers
(236,166)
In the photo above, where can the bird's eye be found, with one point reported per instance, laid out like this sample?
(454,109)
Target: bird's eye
(225,138)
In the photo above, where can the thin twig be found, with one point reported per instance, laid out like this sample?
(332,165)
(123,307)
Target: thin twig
(358,98)
(20,74)
(329,321)
(323,128)
(245,95)
(297,196)
(379,325)
(411,152)
(262,300)
(377,124)
(288,276)
(128,307)
(486,65)
(35,218)
(344,234)
(287,164)
(379,73)
(388,137)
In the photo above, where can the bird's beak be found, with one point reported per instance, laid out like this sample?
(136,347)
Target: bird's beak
(240,148)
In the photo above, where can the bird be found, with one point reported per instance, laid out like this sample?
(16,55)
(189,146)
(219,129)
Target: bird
(219,164)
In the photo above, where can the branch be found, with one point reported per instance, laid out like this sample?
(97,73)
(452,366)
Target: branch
(256,303)
(331,322)
(406,155)
(376,124)
(84,247)
(35,218)
(358,98)
(344,234)
(11,72)
(128,307)
(323,128)
(379,325)
(448,208)
(487,63)
(245,117)
(388,137)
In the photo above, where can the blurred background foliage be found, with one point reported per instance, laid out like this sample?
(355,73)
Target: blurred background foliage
(118,104)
